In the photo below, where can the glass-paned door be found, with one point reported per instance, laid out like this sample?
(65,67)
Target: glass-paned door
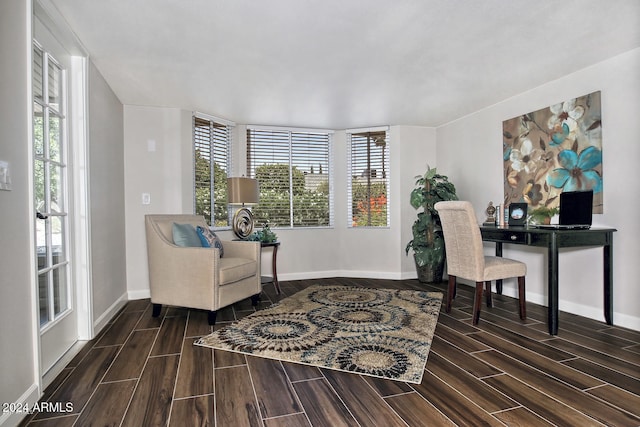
(50,189)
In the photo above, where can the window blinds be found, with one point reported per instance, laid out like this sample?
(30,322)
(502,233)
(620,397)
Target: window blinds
(293,170)
(368,186)
(212,160)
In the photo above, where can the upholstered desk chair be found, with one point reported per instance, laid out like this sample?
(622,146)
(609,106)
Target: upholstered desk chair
(195,276)
(465,257)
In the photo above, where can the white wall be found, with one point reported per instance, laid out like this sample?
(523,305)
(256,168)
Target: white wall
(164,172)
(380,252)
(470,152)
(305,253)
(18,382)
(106,189)
(417,151)
(362,252)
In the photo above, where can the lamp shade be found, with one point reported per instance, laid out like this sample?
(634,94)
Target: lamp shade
(242,191)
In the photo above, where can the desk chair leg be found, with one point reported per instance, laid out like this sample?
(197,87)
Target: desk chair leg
(451,289)
(521,298)
(488,292)
(477,302)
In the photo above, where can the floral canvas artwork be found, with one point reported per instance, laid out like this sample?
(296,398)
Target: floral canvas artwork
(552,150)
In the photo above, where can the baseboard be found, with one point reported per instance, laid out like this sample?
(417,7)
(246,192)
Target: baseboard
(595,313)
(408,275)
(62,363)
(341,273)
(590,312)
(626,321)
(26,401)
(109,314)
(139,294)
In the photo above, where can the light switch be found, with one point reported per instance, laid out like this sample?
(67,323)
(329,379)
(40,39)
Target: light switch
(5,176)
(151,145)
(146,198)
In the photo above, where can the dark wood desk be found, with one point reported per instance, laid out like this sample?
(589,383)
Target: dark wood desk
(274,265)
(554,240)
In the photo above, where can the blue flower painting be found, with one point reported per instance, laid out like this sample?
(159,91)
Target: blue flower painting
(555,149)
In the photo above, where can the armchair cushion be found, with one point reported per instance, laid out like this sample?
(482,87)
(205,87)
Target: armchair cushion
(234,269)
(185,235)
(210,239)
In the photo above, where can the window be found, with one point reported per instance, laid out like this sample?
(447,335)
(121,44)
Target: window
(50,186)
(368,190)
(293,169)
(212,160)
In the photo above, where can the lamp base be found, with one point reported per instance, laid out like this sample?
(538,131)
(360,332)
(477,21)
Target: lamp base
(243,223)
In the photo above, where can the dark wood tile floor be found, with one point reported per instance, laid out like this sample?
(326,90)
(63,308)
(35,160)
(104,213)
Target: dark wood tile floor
(142,371)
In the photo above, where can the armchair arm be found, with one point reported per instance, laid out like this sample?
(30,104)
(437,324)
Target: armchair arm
(241,249)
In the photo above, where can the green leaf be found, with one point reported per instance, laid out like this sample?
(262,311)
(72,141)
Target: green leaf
(417,198)
(431,173)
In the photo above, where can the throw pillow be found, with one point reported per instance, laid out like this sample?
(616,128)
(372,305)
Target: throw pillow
(209,239)
(185,235)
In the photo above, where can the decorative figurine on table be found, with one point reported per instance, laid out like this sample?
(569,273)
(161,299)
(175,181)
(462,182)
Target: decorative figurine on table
(491,215)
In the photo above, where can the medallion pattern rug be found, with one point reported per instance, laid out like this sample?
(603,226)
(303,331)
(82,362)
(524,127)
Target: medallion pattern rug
(383,333)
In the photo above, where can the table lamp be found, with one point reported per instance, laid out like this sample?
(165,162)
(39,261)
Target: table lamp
(242,191)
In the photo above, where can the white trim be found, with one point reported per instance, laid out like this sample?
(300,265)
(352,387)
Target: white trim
(213,118)
(79,148)
(27,399)
(626,321)
(55,370)
(34,394)
(510,289)
(371,129)
(362,274)
(139,294)
(289,129)
(332,195)
(51,17)
(110,313)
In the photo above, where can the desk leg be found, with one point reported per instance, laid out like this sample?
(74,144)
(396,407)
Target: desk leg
(499,282)
(553,285)
(608,281)
(274,265)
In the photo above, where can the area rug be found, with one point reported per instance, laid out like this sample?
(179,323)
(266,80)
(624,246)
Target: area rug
(382,333)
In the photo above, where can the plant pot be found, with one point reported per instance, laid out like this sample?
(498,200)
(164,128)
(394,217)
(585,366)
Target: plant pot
(540,220)
(430,273)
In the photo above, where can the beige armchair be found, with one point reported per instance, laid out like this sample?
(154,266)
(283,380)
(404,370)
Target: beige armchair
(197,277)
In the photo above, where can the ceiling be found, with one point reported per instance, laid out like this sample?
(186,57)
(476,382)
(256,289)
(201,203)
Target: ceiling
(340,64)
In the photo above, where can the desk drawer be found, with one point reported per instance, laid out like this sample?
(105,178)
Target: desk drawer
(516,237)
(504,235)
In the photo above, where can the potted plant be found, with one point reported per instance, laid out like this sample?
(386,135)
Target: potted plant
(266,235)
(428,240)
(542,215)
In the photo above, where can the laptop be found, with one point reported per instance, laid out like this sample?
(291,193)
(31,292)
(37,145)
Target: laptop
(576,211)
